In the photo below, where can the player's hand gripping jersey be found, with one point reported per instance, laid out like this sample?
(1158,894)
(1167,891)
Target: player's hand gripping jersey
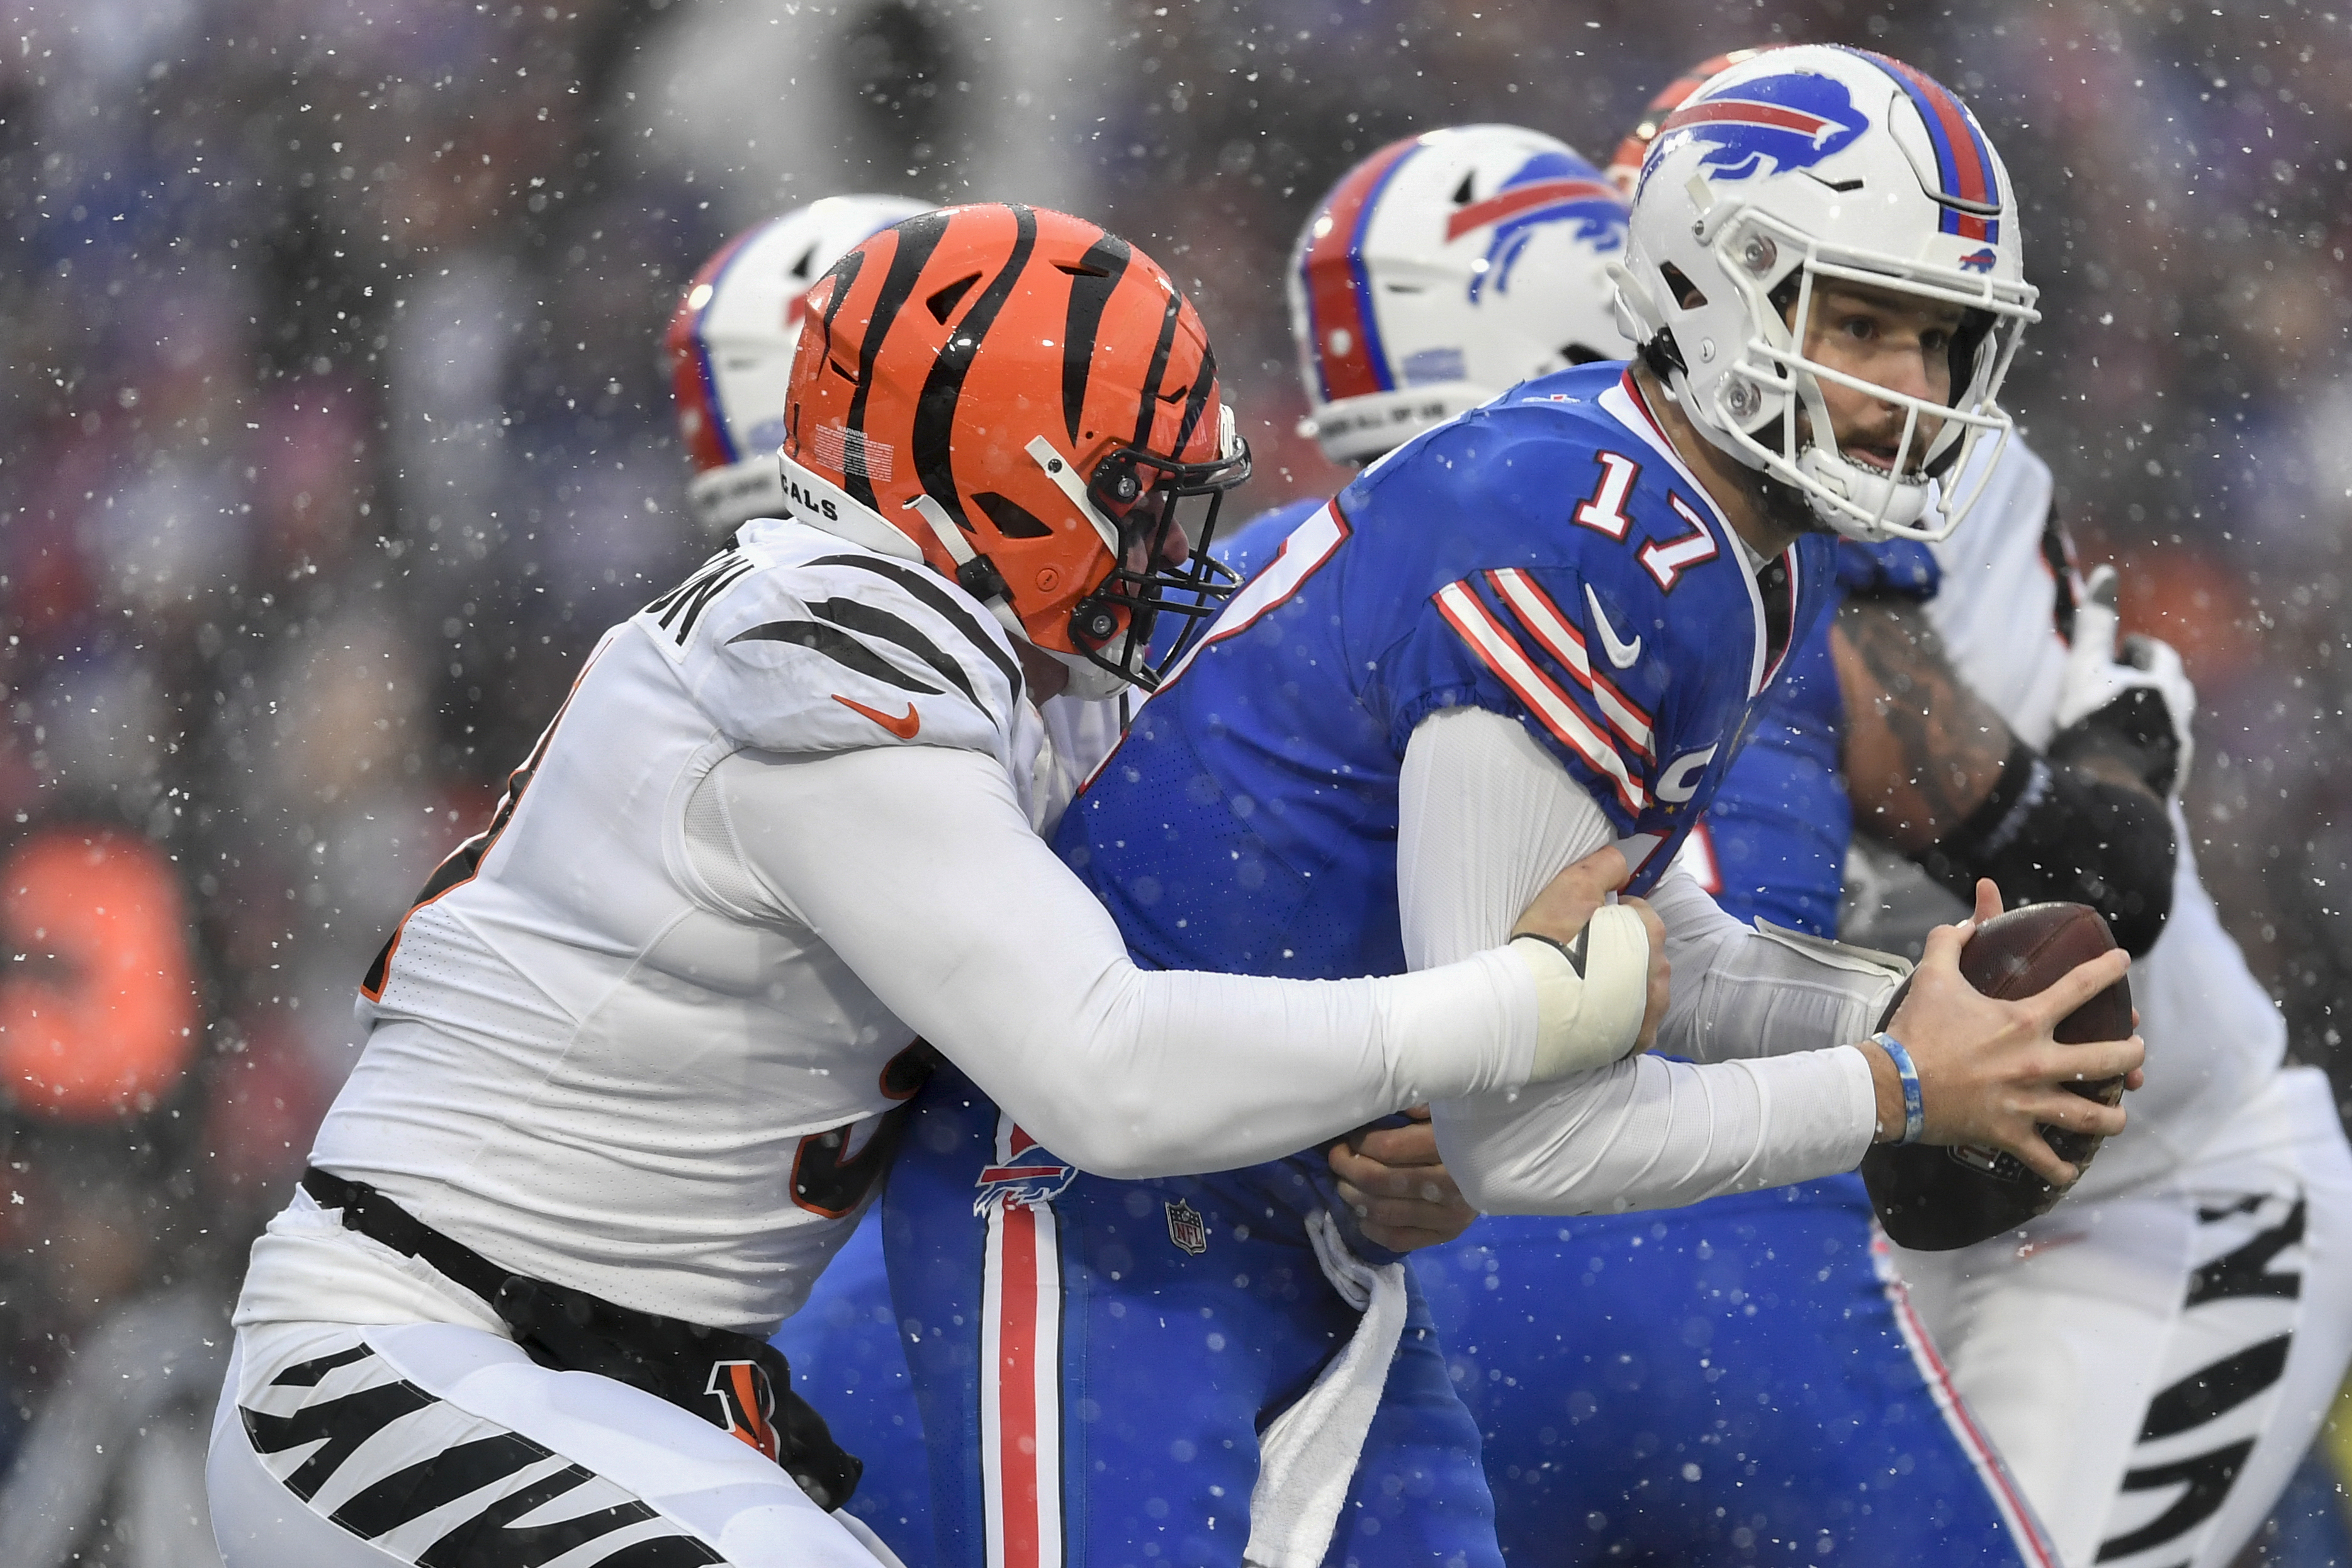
(1546,558)
(634,1056)
(1251,819)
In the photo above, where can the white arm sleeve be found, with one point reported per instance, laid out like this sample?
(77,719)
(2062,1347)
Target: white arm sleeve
(1487,818)
(1737,993)
(918,867)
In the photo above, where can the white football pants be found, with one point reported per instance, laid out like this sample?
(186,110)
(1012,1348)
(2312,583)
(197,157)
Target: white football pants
(435,1444)
(2152,1364)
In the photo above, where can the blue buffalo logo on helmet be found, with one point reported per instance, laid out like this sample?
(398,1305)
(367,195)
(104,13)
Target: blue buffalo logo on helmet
(1031,1176)
(1766,126)
(1548,188)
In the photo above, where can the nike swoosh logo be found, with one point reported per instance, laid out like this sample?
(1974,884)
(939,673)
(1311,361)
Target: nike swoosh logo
(1622,654)
(904,726)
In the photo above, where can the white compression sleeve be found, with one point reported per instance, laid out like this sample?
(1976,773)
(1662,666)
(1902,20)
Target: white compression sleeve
(1737,993)
(917,866)
(1486,818)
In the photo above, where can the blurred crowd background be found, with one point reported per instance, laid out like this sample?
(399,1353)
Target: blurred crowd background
(332,433)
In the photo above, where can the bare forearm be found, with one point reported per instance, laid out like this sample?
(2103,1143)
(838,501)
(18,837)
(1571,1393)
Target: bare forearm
(1922,750)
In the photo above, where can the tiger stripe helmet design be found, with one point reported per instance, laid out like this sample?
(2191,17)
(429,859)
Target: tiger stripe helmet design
(1033,404)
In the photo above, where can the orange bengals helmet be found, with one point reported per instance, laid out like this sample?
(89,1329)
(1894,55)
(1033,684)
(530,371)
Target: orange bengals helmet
(1033,404)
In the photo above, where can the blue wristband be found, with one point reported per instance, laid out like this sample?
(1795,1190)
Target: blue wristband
(1914,1110)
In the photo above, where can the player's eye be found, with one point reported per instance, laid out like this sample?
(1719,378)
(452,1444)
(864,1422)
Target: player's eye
(1860,328)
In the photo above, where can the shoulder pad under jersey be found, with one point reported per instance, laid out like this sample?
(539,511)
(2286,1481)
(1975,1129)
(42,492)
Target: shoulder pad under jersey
(795,639)
(1578,580)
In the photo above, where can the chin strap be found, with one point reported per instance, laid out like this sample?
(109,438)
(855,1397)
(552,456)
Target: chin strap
(1894,503)
(974,574)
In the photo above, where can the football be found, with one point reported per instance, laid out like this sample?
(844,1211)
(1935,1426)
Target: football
(1935,1199)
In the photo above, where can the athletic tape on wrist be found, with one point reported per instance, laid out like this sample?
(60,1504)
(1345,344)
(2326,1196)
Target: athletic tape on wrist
(1590,1017)
(1915,1108)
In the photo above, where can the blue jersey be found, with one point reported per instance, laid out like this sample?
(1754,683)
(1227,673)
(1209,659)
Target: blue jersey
(1101,1355)
(1547,557)
(1629,1392)
(1259,541)
(1774,838)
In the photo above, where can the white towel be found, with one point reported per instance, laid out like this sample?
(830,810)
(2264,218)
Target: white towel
(1308,1455)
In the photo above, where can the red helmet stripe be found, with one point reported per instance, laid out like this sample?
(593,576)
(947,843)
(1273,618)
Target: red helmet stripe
(694,384)
(1510,203)
(1963,162)
(1747,111)
(1338,296)
(1635,146)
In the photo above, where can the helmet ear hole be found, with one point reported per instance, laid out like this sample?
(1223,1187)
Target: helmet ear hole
(1686,293)
(1968,344)
(948,297)
(1011,518)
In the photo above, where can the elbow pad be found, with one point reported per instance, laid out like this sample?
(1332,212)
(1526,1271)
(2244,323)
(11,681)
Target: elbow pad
(2056,832)
(1591,994)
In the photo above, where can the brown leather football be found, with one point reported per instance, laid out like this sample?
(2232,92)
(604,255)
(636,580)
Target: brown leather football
(1935,1199)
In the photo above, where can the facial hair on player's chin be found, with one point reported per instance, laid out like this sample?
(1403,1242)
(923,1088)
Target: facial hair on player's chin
(1784,507)
(1789,509)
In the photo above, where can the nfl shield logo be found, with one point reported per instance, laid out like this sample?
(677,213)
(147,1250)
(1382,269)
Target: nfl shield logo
(1187,1228)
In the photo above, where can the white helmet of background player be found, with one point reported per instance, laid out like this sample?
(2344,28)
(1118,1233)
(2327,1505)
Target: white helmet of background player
(1444,270)
(730,342)
(1810,165)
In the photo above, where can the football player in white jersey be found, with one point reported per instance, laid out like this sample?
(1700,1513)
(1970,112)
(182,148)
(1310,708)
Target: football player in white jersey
(2153,1356)
(728,349)
(634,1054)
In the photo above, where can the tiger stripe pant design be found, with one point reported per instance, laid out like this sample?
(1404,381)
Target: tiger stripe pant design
(2153,1363)
(443,1446)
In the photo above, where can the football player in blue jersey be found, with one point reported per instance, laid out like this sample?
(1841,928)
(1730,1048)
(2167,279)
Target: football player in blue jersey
(1535,631)
(1691,1387)
(1574,1344)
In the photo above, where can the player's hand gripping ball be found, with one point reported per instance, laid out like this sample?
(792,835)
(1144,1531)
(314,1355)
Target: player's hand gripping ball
(1935,1199)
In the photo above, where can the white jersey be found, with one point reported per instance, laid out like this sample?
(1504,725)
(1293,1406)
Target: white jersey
(642,1038)
(508,1069)
(2214,1036)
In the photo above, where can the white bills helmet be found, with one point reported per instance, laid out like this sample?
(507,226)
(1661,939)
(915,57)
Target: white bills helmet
(1815,163)
(1444,270)
(730,342)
